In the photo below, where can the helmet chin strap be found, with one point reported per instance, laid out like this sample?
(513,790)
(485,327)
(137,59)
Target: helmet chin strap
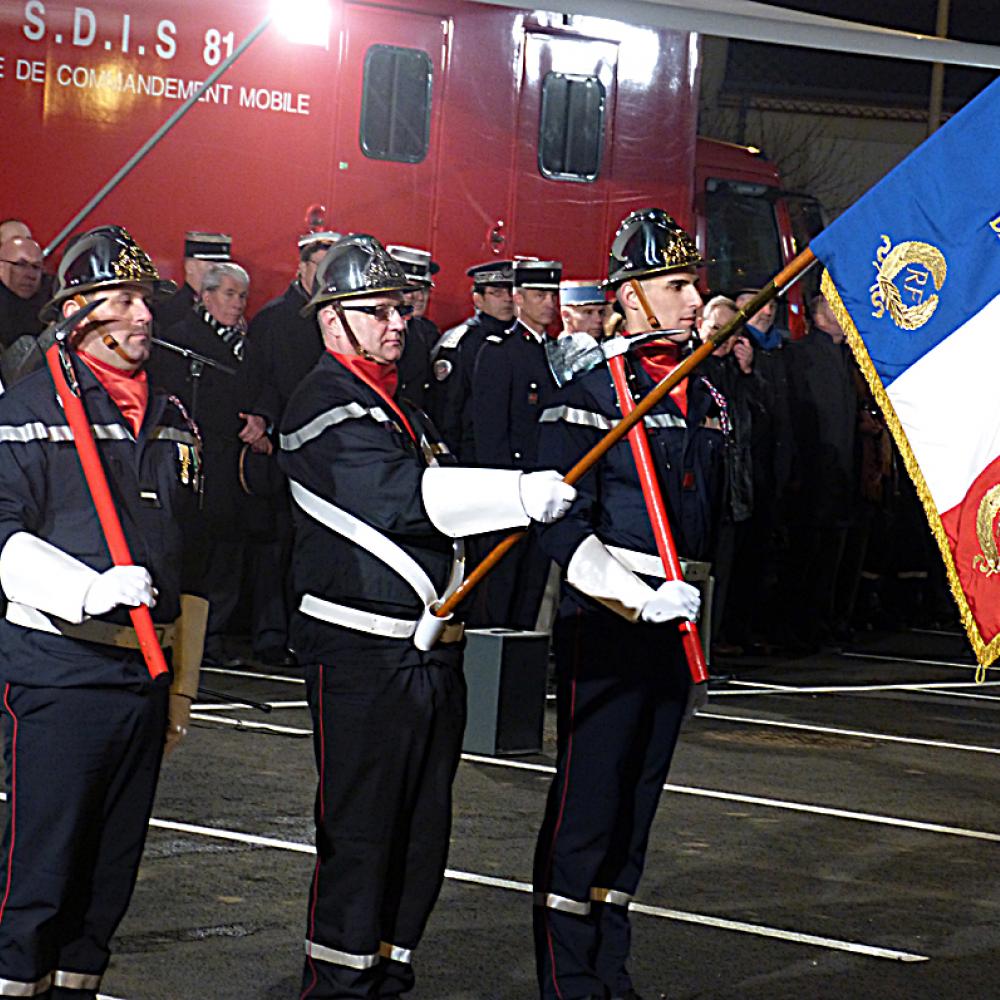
(358,349)
(644,303)
(106,338)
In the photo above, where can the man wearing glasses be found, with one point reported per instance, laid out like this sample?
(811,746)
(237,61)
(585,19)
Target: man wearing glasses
(20,284)
(379,515)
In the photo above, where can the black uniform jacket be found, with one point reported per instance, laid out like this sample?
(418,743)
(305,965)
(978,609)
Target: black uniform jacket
(216,411)
(511,387)
(687,454)
(282,347)
(43,491)
(342,442)
(449,397)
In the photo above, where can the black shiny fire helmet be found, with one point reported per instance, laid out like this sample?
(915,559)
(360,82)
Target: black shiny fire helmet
(106,257)
(649,242)
(356,266)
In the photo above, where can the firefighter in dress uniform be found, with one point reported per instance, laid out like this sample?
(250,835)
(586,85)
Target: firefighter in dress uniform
(378,517)
(78,701)
(622,679)
(453,357)
(512,386)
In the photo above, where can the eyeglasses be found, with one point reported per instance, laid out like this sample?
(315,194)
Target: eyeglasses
(382,313)
(24,265)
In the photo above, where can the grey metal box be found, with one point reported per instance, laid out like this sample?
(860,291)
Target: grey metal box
(506,673)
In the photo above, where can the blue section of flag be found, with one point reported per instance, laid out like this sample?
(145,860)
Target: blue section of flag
(945,194)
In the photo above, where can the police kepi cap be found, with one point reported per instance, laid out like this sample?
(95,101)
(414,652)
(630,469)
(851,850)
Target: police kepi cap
(499,273)
(582,293)
(325,237)
(106,257)
(649,242)
(541,274)
(416,264)
(208,246)
(356,266)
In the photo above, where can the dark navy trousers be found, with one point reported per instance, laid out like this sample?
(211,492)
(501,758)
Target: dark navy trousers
(622,691)
(387,737)
(82,766)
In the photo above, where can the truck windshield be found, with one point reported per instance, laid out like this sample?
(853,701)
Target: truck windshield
(743,237)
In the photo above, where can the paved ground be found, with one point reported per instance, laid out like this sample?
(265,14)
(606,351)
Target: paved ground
(830,831)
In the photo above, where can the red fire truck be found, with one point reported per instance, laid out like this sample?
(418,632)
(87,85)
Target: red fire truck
(473,130)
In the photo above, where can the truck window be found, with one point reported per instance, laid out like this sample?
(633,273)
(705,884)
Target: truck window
(743,237)
(396,104)
(571,133)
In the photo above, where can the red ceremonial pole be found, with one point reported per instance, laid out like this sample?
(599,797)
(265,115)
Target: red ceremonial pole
(97,483)
(657,511)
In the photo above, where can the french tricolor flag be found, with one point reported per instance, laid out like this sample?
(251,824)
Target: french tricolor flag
(913,274)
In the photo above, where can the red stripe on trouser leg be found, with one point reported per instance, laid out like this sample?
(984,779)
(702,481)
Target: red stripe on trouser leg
(322,814)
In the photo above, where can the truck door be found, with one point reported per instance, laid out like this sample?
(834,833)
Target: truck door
(563,156)
(389,110)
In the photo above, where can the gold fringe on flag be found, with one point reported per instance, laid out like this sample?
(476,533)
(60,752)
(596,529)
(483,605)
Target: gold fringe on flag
(985,652)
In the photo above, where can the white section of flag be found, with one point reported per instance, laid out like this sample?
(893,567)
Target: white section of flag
(949,405)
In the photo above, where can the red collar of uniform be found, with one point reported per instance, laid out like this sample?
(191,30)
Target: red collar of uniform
(659,359)
(383,379)
(128,389)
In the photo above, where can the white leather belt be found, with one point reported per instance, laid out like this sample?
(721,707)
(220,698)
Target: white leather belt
(368,621)
(394,556)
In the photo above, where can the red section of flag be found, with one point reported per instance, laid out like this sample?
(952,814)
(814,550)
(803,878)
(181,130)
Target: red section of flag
(973,531)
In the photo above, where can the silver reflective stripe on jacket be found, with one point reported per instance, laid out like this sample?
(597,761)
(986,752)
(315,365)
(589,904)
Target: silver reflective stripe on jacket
(588,418)
(316,426)
(345,958)
(76,980)
(360,621)
(17,988)
(37,431)
(647,564)
(553,902)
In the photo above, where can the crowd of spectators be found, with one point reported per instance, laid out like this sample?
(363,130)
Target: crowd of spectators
(821,533)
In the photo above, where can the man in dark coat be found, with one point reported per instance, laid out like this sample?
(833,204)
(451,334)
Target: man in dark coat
(21,298)
(210,391)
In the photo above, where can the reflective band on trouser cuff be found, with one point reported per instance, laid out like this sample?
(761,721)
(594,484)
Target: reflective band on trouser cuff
(612,896)
(76,980)
(17,988)
(344,958)
(394,953)
(553,902)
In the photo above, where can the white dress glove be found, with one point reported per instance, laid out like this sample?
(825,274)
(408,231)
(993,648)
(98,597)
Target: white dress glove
(127,585)
(673,599)
(544,496)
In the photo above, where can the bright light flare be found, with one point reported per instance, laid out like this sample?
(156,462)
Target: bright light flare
(304,22)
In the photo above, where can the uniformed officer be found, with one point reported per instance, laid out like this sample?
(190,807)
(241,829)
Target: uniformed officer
(512,385)
(623,682)
(453,357)
(201,251)
(421,333)
(378,516)
(583,306)
(85,725)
